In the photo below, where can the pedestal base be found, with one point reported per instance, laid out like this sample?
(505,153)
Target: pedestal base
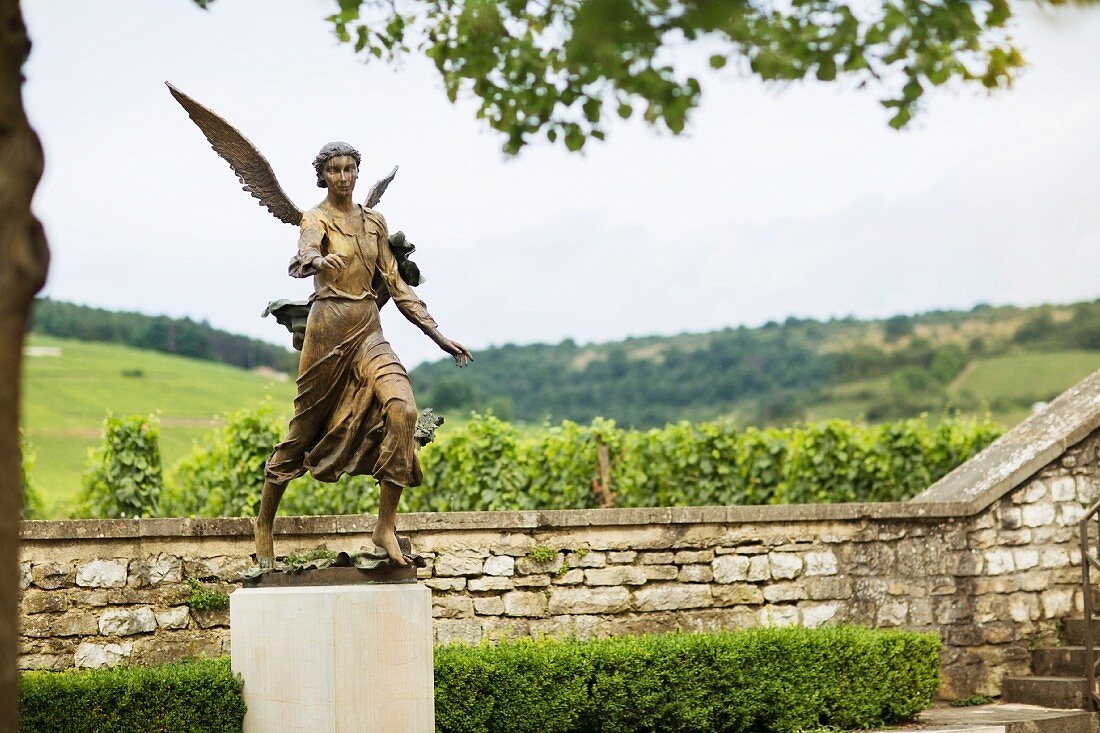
(335,658)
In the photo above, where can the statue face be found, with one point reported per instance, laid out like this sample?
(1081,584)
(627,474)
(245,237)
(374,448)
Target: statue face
(341,173)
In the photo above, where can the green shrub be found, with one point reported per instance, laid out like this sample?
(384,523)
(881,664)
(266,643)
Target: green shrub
(192,697)
(761,680)
(764,680)
(123,476)
(224,475)
(491,465)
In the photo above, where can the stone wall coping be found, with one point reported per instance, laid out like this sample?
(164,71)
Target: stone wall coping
(1023,451)
(99,529)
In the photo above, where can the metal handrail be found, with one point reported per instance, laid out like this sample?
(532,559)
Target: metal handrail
(1088,561)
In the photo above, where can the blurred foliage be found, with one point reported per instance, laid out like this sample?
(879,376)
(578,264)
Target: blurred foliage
(32,502)
(560,68)
(122,478)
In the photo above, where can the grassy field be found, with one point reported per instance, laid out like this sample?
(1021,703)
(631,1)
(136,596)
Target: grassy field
(66,397)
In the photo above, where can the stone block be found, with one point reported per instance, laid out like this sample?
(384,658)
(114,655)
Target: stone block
(622,557)
(500,565)
(127,621)
(95,655)
(491,606)
(1011,518)
(669,597)
(1023,607)
(1071,514)
(784,592)
(155,570)
(1054,557)
(445,584)
(588,560)
(695,574)
(32,603)
(45,662)
(661,572)
(531,581)
(1038,515)
(336,658)
(584,600)
(459,563)
(530,566)
(570,577)
(759,569)
(656,558)
(779,616)
(72,623)
(1025,559)
(1057,602)
(998,562)
(466,630)
(615,575)
(173,618)
(51,575)
(784,566)
(820,563)
(828,588)
(452,607)
(211,618)
(526,603)
(920,612)
(102,574)
(1063,488)
(693,557)
(818,614)
(892,613)
(25,576)
(489,583)
(737,594)
(1030,493)
(730,569)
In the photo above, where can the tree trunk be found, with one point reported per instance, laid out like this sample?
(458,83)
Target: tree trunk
(23,261)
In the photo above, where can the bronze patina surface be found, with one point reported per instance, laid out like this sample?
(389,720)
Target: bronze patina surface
(355,412)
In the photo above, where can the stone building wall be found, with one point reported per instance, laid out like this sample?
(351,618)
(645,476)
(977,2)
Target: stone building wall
(992,576)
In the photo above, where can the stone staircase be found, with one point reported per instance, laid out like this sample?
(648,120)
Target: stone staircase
(1057,679)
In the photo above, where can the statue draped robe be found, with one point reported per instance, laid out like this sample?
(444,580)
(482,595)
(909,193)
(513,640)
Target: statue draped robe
(355,411)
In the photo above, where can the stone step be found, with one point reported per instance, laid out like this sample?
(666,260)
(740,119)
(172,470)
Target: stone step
(1005,718)
(1068,693)
(1073,631)
(1059,661)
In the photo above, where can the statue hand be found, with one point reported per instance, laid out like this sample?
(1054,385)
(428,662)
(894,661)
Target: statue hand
(333,261)
(461,354)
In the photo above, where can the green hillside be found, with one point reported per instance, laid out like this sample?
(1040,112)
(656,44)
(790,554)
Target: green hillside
(67,396)
(781,372)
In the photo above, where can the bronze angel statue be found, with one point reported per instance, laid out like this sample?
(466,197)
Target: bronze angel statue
(355,411)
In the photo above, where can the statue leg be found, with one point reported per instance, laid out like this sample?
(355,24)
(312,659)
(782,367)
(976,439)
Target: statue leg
(265,520)
(399,415)
(385,531)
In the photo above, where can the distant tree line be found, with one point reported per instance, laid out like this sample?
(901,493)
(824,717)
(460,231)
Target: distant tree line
(769,373)
(179,336)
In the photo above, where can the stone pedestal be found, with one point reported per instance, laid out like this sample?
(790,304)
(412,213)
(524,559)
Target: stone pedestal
(322,659)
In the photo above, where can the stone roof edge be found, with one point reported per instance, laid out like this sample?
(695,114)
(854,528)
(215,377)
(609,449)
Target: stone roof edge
(136,529)
(1023,451)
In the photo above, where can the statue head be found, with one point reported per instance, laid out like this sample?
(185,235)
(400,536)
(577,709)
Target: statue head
(330,151)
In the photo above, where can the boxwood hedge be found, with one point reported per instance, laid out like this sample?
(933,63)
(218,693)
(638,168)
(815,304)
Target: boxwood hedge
(761,680)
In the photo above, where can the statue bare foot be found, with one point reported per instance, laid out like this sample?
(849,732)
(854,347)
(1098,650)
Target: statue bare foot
(387,540)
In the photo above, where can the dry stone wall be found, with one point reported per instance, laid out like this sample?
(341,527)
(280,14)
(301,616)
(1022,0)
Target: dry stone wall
(991,581)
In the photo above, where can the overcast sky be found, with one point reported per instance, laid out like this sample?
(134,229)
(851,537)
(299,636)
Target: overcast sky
(776,202)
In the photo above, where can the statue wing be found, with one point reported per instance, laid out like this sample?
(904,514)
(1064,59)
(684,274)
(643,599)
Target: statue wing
(374,195)
(247,162)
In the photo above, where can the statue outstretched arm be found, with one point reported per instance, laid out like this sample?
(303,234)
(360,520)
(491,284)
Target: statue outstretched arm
(304,263)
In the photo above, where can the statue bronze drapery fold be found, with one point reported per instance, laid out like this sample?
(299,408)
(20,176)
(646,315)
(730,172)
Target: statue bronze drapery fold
(355,412)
